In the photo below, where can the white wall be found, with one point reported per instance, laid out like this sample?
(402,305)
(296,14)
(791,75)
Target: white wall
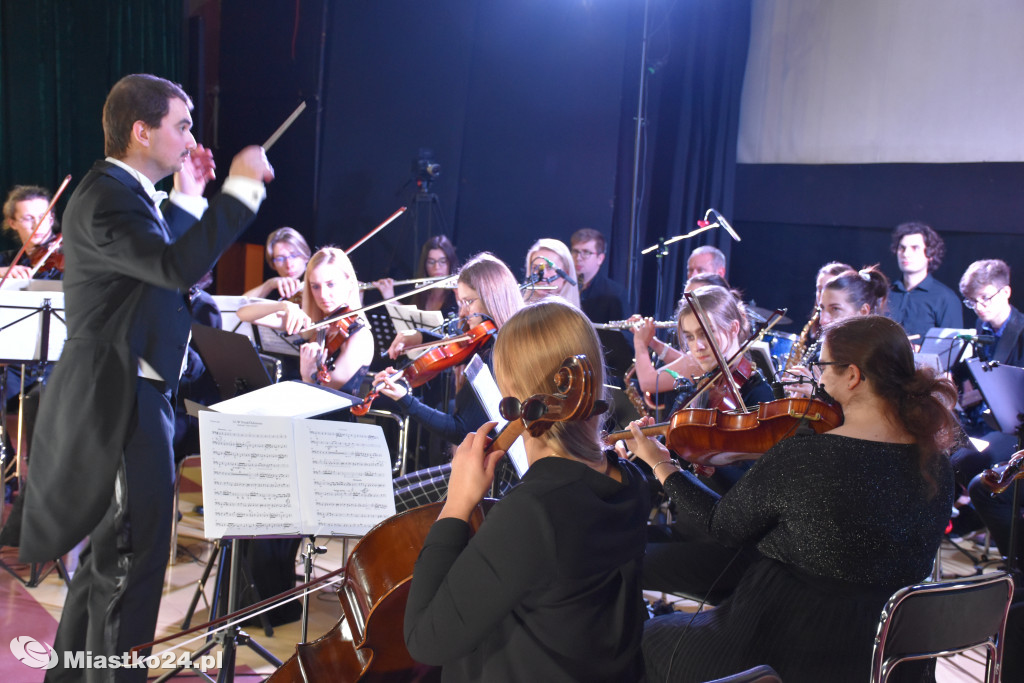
(874,81)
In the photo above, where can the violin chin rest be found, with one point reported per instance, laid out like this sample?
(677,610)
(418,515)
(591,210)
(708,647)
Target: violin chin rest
(600,407)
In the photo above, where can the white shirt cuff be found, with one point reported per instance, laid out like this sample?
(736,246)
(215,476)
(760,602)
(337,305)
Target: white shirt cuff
(249,191)
(194,205)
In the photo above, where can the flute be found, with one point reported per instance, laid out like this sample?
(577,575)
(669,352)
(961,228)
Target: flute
(634,324)
(415,281)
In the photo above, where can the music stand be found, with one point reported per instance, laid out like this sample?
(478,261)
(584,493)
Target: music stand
(32,332)
(383,331)
(948,346)
(232,360)
(1002,387)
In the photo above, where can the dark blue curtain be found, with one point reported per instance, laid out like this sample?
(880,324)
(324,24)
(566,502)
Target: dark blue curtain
(697,51)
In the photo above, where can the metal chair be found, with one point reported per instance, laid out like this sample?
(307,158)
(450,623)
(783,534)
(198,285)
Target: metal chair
(759,674)
(930,620)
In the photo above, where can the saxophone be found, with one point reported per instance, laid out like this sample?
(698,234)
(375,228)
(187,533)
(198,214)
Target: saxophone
(799,354)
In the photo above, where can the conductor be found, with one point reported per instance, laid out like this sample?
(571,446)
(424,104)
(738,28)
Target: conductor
(104,466)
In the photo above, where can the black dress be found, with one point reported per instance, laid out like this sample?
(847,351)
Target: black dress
(843,523)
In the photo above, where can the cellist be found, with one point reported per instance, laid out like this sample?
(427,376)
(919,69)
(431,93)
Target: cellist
(548,587)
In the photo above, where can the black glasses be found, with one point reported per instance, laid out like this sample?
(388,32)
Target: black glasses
(983,300)
(819,365)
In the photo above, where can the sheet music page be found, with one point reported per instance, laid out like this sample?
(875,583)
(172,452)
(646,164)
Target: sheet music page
(250,487)
(289,399)
(21,323)
(408,317)
(482,381)
(344,476)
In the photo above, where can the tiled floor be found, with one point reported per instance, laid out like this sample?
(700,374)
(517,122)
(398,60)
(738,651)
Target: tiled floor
(34,611)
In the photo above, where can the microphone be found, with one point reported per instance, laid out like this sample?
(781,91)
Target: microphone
(977,338)
(720,219)
(561,273)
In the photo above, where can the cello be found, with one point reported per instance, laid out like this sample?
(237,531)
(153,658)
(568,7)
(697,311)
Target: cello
(367,643)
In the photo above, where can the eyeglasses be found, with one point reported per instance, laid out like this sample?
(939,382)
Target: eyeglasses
(974,303)
(466,303)
(280,260)
(584,254)
(431,262)
(819,365)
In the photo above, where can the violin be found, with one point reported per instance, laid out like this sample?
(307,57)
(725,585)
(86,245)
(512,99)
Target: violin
(442,356)
(370,645)
(719,395)
(996,481)
(48,257)
(332,337)
(696,434)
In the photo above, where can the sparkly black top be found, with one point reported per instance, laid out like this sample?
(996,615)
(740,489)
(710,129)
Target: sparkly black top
(833,507)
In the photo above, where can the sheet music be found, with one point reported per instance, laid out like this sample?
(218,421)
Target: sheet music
(349,478)
(266,339)
(290,399)
(250,486)
(408,317)
(279,476)
(480,378)
(21,323)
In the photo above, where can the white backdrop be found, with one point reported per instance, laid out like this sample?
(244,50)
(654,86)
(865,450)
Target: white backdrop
(875,81)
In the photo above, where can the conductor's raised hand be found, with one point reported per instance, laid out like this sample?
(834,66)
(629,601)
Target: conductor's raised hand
(252,162)
(197,169)
(472,473)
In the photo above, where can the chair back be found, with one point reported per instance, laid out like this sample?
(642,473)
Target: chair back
(930,620)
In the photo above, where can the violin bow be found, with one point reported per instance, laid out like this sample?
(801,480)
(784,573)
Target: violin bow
(39,222)
(446,282)
(380,227)
(772,321)
(54,246)
(707,325)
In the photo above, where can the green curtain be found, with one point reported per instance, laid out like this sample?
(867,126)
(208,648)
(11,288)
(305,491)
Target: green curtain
(58,59)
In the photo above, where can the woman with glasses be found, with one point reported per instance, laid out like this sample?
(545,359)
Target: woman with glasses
(287,254)
(842,519)
(486,290)
(544,260)
(437,259)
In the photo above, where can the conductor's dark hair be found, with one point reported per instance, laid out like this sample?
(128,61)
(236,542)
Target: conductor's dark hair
(138,97)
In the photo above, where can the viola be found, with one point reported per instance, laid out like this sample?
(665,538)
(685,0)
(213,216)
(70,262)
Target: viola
(332,337)
(379,570)
(696,434)
(998,480)
(438,359)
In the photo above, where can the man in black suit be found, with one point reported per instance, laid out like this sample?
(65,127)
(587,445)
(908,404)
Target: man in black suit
(105,467)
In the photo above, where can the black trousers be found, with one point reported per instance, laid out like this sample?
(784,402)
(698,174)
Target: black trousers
(114,598)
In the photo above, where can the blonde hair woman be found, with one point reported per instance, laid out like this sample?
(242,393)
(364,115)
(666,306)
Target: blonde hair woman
(330,284)
(542,259)
(548,587)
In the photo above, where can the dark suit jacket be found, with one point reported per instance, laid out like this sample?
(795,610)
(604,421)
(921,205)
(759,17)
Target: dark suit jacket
(1010,347)
(126,271)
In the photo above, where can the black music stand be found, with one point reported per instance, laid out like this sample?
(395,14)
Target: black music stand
(29,342)
(232,360)
(383,330)
(1002,387)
